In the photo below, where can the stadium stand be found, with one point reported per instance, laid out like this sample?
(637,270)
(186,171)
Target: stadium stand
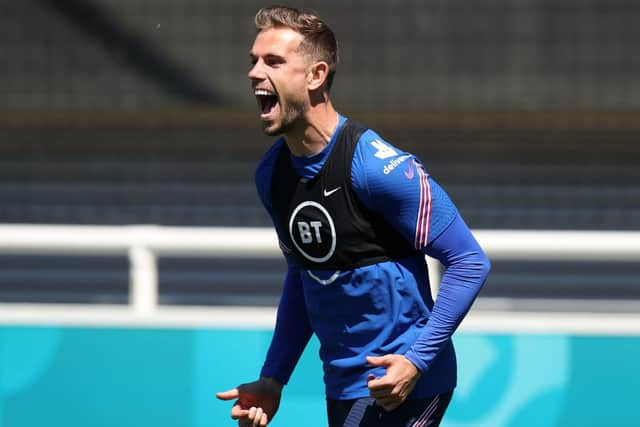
(528,178)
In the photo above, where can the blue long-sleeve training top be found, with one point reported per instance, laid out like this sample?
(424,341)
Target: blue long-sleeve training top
(387,307)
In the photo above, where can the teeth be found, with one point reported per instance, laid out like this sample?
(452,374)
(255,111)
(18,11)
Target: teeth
(263,92)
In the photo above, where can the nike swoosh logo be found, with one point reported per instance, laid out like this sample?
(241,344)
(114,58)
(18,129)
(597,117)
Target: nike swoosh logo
(330,192)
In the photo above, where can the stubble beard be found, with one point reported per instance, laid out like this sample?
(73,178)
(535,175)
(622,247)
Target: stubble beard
(289,117)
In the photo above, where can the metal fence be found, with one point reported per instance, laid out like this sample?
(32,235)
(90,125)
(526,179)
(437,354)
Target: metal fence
(144,243)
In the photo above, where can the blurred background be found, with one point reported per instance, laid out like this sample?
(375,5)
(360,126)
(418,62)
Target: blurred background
(116,112)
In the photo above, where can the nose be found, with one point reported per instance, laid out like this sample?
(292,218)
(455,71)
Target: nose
(255,72)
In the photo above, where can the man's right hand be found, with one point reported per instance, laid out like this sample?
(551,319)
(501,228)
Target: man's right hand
(257,402)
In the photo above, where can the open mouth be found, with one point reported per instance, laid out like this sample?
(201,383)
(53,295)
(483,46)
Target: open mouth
(266,100)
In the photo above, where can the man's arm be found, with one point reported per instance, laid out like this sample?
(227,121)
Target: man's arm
(292,331)
(395,184)
(466,269)
(258,401)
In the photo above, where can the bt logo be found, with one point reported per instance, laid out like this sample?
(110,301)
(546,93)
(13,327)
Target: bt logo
(304,228)
(312,231)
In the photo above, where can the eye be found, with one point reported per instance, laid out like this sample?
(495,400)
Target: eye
(274,61)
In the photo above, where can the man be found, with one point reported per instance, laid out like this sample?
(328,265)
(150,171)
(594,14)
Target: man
(355,217)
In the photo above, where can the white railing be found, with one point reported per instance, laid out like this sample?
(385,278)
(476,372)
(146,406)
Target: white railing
(145,243)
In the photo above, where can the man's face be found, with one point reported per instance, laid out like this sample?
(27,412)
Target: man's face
(278,77)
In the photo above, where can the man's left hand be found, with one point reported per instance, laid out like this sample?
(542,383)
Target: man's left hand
(398,382)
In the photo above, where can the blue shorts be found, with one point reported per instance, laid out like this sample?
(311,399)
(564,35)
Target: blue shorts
(364,412)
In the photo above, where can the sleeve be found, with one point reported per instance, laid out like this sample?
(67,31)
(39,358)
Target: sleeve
(262,180)
(396,185)
(292,331)
(466,269)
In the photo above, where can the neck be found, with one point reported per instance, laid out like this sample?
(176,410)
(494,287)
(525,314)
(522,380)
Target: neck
(315,130)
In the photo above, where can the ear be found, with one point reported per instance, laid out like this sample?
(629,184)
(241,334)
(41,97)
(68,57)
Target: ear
(317,75)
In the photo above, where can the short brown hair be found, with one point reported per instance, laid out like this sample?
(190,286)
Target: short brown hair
(318,40)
